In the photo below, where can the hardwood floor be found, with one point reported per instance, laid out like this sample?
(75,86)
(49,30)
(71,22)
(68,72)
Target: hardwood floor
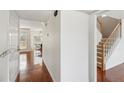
(101,76)
(34,72)
(115,74)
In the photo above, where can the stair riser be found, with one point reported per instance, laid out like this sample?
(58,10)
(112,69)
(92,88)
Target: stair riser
(103,40)
(101,43)
(99,66)
(99,54)
(99,47)
(99,50)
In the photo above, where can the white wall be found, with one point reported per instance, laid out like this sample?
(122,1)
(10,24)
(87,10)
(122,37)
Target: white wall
(115,13)
(66,37)
(51,47)
(108,25)
(93,40)
(13,45)
(99,36)
(33,25)
(4,73)
(117,56)
(74,46)
(4,28)
(4,24)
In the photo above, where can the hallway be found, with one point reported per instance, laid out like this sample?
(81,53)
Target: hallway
(32,71)
(53,31)
(115,74)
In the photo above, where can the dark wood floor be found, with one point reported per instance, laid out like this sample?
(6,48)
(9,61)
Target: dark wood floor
(34,73)
(115,74)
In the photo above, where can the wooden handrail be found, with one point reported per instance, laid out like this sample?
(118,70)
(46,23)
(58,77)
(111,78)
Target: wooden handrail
(107,45)
(111,42)
(112,33)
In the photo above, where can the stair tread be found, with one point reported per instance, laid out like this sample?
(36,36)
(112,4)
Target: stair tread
(99,45)
(99,57)
(99,48)
(99,52)
(101,42)
(99,62)
(99,65)
(104,38)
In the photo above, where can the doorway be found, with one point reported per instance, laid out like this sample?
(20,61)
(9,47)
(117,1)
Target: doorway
(30,53)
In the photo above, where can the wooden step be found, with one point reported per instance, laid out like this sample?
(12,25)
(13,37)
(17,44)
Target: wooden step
(99,50)
(99,59)
(104,39)
(100,54)
(99,64)
(101,43)
(99,46)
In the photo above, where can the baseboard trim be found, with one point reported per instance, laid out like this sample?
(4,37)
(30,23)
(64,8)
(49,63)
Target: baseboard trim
(46,70)
(17,77)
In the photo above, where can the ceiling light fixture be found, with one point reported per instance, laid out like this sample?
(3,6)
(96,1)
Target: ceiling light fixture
(104,15)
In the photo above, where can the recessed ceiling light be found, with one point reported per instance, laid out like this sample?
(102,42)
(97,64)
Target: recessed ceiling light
(104,15)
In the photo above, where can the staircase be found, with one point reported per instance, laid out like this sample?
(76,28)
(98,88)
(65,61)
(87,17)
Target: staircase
(100,53)
(106,47)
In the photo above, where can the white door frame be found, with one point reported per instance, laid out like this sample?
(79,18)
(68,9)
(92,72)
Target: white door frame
(92,45)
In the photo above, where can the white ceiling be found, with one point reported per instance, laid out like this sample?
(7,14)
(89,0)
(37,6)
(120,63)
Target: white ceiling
(42,15)
(89,11)
(36,15)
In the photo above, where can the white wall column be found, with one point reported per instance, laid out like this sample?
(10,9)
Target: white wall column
(74,46)
(92,48)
